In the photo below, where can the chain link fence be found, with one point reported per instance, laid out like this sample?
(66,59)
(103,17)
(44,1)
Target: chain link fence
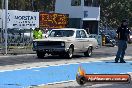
(19,41)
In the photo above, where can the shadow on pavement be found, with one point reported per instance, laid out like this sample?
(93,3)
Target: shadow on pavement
(32,58)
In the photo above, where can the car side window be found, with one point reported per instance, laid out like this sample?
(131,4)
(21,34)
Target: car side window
(52,34)
(83,34)
(78,34)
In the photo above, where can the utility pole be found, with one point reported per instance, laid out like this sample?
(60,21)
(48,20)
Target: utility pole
(2,7)
(32,5)
(6,25)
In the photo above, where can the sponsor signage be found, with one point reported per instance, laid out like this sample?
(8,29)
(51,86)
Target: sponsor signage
(20,19)
(53,20)
(28,19)
(23,19)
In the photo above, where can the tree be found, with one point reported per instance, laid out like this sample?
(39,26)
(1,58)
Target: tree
(116,10)
(112,11)
(0,4)
(38,5)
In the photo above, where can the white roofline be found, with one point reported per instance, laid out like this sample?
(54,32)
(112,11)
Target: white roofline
(90,19)
(68,29)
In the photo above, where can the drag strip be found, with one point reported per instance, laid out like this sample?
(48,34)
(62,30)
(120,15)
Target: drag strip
(58,73)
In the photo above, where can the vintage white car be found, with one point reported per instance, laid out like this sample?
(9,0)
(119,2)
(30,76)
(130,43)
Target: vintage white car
(65,42)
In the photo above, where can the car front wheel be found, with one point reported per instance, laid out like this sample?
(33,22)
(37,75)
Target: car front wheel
(40,54)
(70,53)
(88,53)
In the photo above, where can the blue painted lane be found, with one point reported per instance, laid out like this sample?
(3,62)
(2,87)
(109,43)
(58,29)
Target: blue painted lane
(44,75)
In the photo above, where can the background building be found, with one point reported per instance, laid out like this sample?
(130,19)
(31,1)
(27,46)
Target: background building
(82,13)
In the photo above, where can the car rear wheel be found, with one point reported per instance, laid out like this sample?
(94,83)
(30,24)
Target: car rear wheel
(62,55)
(70,53)
(88,53)
(40,54)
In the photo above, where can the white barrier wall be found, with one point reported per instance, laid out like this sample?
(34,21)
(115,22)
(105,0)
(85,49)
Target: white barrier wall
(22,19)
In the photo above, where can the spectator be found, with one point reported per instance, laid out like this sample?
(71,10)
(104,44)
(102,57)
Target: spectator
(37,33)
(123,35)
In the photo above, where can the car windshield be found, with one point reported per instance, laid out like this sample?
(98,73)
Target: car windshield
(61,33)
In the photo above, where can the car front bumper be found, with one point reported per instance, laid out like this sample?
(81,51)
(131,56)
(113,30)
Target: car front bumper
(50,50)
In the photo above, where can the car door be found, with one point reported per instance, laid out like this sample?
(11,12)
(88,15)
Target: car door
(78,44)
(85,40)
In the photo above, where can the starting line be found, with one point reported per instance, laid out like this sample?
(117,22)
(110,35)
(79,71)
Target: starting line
(52,74)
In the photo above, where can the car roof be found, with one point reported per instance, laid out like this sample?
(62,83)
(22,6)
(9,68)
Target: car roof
(68,29)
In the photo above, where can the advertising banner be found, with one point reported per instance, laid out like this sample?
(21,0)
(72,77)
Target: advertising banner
(53,20)
(20,19)
(23,19)
(28,19)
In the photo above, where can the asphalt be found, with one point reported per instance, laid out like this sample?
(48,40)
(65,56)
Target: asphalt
(51,74)
(29,61)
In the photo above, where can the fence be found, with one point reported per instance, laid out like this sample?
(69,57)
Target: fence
(19,41)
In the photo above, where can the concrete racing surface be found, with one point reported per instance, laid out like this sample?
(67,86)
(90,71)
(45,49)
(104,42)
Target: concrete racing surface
(52,74)
(22,71)
(87,85)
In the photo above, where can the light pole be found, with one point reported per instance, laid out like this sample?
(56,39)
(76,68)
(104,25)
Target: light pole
(32,5)
(6,25)
(2,7)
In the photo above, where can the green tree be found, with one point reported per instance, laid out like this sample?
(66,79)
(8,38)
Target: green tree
(113,11)
(40,5)
(0,4)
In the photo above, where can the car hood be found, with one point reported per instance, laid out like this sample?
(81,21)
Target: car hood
(66,39)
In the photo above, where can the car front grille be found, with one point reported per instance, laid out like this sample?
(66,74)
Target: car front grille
(49,43)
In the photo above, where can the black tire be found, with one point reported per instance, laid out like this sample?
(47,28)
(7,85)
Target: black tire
(89,52)
(113,44)
(80,80)
(69,54)
(62,55)
(40,54)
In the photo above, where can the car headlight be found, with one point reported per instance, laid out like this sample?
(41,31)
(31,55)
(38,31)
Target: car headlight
(35,43)
(62,44)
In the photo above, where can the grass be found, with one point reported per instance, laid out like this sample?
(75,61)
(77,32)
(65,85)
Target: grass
(19,47)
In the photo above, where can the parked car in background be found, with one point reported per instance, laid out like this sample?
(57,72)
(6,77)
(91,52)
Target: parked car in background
(65,42)
(109,40)
(130,37)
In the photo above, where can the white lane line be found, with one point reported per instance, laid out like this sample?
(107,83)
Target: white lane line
(61,82)
(36,70)
(54,65)
(55,83)
(1,56)
(45,66)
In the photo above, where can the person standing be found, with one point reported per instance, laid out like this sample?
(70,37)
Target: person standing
(123,35)
(37,33)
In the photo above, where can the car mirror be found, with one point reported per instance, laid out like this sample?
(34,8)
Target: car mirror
(46,36)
